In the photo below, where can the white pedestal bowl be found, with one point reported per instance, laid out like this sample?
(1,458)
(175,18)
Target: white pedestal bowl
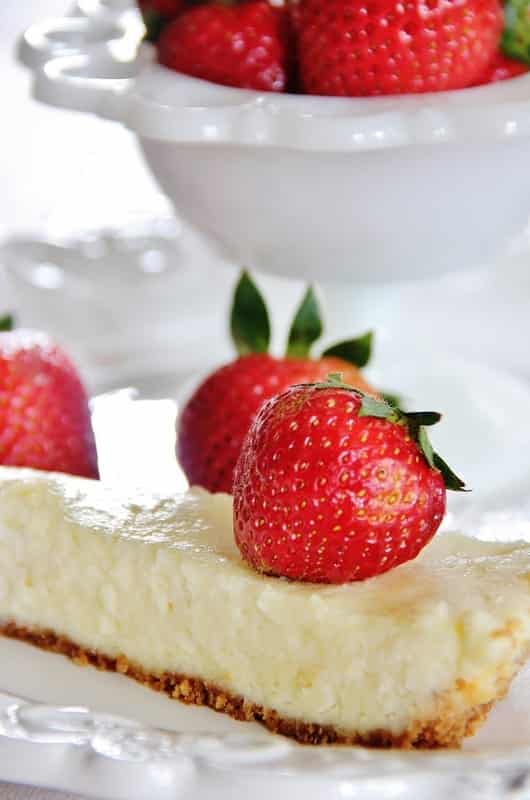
(371,190)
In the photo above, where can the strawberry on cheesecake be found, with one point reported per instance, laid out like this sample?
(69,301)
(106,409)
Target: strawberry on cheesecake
(313,602)
(157,589)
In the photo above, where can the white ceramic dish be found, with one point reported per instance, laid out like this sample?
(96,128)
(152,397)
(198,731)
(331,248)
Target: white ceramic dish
(69,728)
(370,189)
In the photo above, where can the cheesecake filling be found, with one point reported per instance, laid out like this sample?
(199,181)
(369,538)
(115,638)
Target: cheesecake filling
(161,582)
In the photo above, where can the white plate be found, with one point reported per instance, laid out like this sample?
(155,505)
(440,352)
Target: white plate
(201,754)
(180,752)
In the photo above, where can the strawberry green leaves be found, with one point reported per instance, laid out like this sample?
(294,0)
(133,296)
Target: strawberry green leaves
(451,480)
(423,418)
(422,437)
(417,424)
(516,37)
(372,407)
(392,398)
(249,319)
(7,323)
(355,351)
(306,327)
(251,333)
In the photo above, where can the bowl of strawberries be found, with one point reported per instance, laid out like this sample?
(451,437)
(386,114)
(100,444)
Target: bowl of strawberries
(353,140)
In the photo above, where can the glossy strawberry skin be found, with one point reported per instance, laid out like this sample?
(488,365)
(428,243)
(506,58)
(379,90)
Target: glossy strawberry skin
(246,46)
(322,494)
(383,47)
(216,419)
(44,414)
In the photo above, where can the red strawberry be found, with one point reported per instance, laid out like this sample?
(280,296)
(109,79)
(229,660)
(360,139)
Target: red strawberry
(44,414)
(379,47)
(245,46)
(334,486)
(215,421)
(502,68)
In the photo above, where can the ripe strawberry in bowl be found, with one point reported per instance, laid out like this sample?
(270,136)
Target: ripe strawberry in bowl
(380,47)
(44,413)
(246,45)
(333,485)
(215,420)
(336,47)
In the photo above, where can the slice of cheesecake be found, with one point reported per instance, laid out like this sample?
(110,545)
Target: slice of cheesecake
(156,589)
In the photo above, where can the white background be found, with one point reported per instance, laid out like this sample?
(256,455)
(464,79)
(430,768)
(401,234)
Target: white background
(58,165)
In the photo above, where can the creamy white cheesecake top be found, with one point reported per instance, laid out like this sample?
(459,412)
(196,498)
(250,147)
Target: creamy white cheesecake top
(161,581)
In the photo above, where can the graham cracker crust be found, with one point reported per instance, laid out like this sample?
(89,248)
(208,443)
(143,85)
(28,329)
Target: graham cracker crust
(447,730)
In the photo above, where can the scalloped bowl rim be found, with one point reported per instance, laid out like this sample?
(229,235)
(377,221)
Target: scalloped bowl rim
(171,106)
